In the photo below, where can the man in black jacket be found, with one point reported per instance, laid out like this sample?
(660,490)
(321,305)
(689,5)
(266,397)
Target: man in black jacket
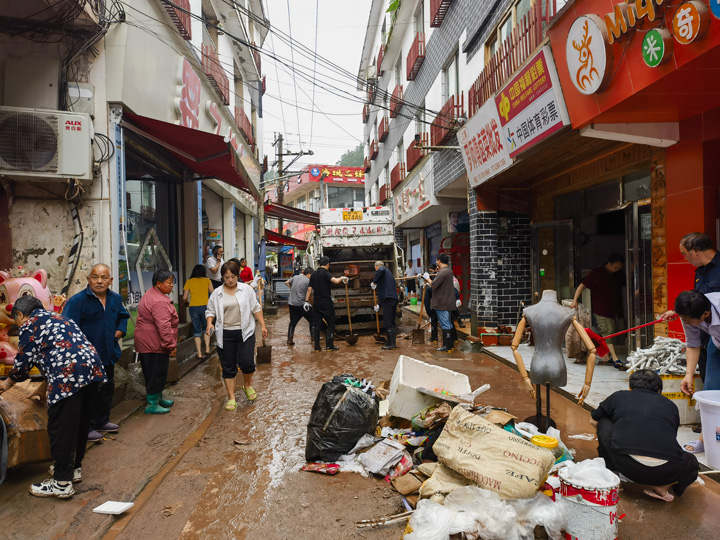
(384,283)
(443,299)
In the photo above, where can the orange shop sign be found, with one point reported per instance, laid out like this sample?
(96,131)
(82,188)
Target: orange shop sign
(588,50)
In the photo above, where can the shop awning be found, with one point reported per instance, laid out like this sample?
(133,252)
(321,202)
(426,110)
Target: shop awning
(206,154)
(284,240)
(291,214)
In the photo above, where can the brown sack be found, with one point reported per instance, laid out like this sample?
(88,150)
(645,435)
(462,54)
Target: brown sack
(491,457)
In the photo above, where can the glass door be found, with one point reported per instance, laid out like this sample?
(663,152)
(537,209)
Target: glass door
(553,258)
(638,270)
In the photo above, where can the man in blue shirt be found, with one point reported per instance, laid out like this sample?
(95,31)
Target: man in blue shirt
(99,313)
(384,283)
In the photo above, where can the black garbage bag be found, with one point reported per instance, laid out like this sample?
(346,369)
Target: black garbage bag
(341,414)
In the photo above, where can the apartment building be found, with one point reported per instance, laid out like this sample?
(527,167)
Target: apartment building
(168,99)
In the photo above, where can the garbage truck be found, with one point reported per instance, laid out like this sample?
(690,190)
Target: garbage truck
(354,238)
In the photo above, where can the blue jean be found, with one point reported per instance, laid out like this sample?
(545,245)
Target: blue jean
(197,316)
(712,371)
(444,319)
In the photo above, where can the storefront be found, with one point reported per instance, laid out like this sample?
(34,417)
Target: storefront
(646,77)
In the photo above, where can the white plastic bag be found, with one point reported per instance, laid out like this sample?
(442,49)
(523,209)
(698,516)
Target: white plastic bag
(492,518)
(430,521)
(540,510)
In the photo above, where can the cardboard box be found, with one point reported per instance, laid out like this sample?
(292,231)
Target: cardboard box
(501,418)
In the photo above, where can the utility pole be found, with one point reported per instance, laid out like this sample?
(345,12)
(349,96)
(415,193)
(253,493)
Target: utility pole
(282,182)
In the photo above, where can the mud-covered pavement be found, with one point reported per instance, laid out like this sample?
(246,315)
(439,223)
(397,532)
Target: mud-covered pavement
(205,473)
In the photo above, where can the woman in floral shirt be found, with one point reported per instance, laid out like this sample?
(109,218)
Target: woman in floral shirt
(72,370)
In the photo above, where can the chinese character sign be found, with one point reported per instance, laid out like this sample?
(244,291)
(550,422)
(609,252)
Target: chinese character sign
(483,147)
(333,173)
(188,107)
(690,22)
(528,106)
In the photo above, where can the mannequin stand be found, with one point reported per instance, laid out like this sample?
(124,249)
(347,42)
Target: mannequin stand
(542,422)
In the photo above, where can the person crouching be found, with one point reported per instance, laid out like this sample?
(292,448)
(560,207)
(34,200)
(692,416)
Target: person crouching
(72,369)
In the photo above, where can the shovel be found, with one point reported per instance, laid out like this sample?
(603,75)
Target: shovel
(418,334)
(378,337)
(350,339)
(264,353)
(601,348)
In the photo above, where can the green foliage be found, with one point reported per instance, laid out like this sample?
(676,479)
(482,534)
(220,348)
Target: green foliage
(393,6)
(352,158)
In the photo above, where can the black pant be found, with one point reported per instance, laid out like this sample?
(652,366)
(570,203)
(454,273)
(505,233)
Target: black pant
(103,399)
(389,308)
(68,426)
(216,283)
(155,369)
(684,471)
(297,313)
(323,316)
(236,352)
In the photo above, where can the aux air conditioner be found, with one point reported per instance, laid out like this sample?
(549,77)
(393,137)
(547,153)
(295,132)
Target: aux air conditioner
(372,73)
(45,144)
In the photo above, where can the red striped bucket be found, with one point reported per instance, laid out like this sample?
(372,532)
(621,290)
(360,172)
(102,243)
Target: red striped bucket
(592,513)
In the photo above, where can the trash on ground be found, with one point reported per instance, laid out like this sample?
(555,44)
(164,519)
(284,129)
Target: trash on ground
(583,436)
(323,468)
(113,507)
(381,457)
(665,355)
(341,415)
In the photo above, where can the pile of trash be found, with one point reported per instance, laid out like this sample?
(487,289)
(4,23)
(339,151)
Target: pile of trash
(458,467)
(665,355)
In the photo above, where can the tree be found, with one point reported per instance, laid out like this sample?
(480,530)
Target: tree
(352,158)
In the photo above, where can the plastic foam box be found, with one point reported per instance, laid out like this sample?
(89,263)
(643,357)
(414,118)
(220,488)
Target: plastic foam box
(404,399)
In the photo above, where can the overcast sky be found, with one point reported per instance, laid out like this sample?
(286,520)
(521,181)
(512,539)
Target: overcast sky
(341,30)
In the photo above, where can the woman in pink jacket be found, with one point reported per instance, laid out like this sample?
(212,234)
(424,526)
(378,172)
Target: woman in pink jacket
(156,339)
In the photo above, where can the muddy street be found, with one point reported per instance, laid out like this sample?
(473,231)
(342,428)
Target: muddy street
(201,472)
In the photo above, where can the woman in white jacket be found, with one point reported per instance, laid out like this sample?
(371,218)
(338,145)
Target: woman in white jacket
(230,312)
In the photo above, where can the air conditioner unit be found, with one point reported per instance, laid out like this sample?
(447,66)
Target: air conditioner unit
(372,73)
(45,144)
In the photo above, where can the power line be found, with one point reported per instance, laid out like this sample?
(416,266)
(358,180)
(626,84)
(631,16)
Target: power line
(312,116)
(292,58)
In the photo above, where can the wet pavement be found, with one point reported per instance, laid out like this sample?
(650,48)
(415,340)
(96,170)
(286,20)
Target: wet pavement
(205,473)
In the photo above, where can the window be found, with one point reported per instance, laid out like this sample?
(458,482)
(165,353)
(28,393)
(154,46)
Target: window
(450,79)
(514,15)
(239,91)
(399,153)
(398,72)
(420,18)
(344,197)
(300,203)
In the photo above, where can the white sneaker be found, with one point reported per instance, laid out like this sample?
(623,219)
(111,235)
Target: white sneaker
(51,488)
(77,474)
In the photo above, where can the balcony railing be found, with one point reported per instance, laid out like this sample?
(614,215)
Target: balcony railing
(442,127)
(373,149)
(383,129)
(517,47)
(181,19)
(366,165)
(397,175)
(244,125)
(396,101)
(381,52)
(215,73)
(414,154)
(416,56)
(438,10)
(366,113)
(384,194)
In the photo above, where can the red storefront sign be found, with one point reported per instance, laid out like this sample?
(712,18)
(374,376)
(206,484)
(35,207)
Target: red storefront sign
(336,174)
(608,74)
(188,106)
(528,105)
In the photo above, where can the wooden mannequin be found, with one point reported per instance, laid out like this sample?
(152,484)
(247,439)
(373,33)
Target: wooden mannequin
(549,321)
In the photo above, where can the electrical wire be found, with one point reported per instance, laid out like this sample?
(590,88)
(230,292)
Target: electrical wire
(312,116)
(292,59)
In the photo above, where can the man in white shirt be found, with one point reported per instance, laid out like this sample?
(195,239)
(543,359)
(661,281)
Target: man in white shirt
(411,284)
(213,265)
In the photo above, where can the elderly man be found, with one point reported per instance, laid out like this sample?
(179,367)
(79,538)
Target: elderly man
(324,311)
(443,300)
(99,313)
(384,283)
(296,300)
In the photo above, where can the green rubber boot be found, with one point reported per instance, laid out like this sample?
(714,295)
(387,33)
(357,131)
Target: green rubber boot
(153,407)
(165,402)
